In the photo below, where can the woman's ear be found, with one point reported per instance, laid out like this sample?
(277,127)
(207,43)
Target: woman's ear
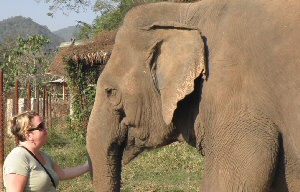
(27,136)
(178,59)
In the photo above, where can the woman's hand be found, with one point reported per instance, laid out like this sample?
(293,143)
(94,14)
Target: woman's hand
(73,172)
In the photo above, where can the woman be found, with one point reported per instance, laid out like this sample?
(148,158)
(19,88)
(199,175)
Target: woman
(26,168)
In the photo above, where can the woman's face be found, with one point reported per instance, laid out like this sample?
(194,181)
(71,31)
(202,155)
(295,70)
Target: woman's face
(39,131)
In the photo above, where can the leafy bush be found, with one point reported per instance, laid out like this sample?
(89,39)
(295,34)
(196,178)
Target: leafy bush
(81,82)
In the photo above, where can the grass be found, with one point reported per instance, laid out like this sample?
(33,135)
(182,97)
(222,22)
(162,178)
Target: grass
(67,147)
(177,167)
(173,168)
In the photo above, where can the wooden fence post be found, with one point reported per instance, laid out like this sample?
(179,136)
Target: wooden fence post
(16,105)
(46,107)
(38,100)
(1,130)
(29,97)
(50,111)
(44,103)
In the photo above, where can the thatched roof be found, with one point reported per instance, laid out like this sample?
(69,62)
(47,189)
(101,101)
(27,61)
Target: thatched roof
(90,52)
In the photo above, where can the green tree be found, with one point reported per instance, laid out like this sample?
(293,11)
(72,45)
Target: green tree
(102,6)
(112,13)
(86,31)
(25,59)
(67,5)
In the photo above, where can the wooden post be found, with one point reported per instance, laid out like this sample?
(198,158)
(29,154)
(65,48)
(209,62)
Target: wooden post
(1,130)
(29,97)
(38,100)
(50,111)
(16,97)
(44,103)
(16,105)
(64,90)
(46,107)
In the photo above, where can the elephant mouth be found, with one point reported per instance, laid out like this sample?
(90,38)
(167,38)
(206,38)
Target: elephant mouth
(125,157)
(131,147)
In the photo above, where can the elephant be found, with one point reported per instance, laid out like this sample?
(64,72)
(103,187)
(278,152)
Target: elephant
(222,76)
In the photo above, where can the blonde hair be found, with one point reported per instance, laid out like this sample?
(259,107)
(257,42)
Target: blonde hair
(21,123)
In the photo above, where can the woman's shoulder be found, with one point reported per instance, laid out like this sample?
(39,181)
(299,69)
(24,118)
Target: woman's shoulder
(17,156)
(17,151)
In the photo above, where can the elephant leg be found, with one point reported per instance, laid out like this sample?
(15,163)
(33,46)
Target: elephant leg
(244,156)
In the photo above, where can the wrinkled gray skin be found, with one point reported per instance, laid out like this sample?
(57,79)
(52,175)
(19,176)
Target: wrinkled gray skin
(223,76)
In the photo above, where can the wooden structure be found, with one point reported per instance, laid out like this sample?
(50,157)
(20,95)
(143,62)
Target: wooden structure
(91,52)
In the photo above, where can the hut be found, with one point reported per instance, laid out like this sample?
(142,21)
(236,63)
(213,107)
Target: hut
(93,54)
(88,59)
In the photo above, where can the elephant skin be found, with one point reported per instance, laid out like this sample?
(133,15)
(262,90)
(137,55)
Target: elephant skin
(223,76)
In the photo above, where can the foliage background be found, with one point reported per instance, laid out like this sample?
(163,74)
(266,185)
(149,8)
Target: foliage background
(82,80)
(26,60)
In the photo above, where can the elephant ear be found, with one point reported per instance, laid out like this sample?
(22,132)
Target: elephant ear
(178,59)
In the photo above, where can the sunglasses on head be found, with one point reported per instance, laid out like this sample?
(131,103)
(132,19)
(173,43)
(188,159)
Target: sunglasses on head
(40,127)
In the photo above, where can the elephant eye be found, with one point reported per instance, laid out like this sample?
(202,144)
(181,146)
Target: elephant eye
(109,92)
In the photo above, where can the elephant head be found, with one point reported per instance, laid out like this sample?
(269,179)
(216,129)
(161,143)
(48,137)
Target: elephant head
(152,68)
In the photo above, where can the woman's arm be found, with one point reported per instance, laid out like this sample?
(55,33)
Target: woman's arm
(15,182)
(70,173)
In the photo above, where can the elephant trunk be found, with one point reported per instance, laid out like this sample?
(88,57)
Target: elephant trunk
(108,177)
(105,150)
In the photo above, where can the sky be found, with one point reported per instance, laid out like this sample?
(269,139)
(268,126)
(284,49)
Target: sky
(38,13)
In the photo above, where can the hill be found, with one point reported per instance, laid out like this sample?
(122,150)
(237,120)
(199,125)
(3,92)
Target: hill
(67,33)
(23,27)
